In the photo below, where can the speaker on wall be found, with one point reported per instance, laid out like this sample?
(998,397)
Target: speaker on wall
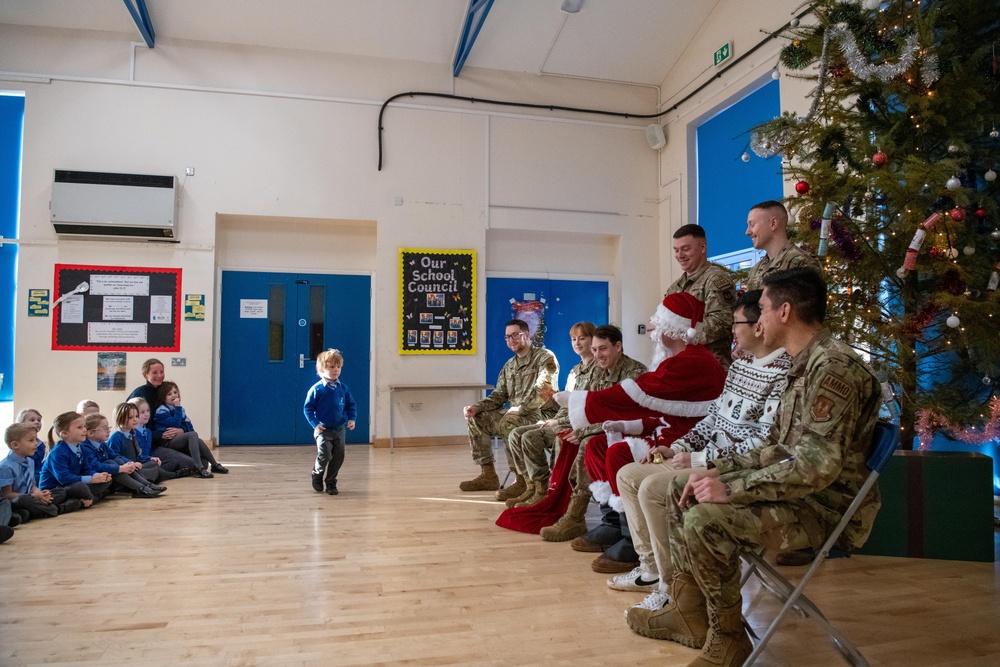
(655,136)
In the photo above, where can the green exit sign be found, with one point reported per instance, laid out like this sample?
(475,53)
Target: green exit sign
(724,53)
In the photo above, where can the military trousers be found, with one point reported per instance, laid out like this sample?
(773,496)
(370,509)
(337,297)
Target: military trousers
(527,448)
(706,538)
(500,423)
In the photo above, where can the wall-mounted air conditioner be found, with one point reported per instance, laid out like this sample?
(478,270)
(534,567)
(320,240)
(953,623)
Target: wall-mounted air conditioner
(133,207)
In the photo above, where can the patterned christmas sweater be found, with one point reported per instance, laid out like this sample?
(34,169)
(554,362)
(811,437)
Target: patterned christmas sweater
(741,417)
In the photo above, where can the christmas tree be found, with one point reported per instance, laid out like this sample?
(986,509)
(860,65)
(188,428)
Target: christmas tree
(896,162)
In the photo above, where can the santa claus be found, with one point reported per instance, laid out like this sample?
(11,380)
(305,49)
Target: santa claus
(664,403)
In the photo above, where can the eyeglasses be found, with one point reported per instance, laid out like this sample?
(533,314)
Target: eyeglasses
(735,322)
(514,336)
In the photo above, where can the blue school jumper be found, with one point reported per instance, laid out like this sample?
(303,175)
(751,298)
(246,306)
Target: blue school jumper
(67,464)
(172,417)
(330,404)
(116,447)
(39,458)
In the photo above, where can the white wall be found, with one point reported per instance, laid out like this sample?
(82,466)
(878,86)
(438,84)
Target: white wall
(285,139)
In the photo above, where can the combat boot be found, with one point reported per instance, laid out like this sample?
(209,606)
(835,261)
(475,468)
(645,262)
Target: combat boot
(683,620)
(512,491)
(529,490)
(539,488)
(487,480)
(727,644)
(572,523)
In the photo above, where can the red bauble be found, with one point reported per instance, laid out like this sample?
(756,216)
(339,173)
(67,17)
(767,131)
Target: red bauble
(802,187)
(957,214)
(980,212)
(879,159)
(935,253)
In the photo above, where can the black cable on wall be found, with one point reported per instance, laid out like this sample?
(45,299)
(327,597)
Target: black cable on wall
(556,107)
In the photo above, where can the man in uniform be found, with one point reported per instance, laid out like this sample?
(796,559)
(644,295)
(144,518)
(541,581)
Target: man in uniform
(709,284)
(788,494)
(530,370)
(767,227)
(614,366)
(528,445)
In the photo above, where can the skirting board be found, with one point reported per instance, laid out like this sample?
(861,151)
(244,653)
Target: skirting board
(424,441)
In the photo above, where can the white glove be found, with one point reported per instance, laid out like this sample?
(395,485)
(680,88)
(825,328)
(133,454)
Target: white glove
(613,436)
(562,398)
(628,427)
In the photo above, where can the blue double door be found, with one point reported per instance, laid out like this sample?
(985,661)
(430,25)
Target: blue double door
(273,325)
(565,302)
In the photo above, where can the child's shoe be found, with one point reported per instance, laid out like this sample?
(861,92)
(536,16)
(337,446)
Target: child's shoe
(6,532)
(220,469)
(317,482)
(204,474)
(331,489)
(145,492)
(71,505)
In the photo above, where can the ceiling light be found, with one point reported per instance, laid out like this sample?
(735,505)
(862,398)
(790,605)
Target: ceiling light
(572,6)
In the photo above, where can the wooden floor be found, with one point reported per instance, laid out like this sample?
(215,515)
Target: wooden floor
(254,568)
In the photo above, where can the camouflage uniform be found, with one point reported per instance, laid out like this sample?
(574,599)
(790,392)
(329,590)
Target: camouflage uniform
(712,285)
(519,383)
(527,444)
(791,492)
(790,257)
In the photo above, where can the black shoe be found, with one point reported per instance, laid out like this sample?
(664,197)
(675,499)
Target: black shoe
(15,520)
(71,505)
(157,487)
(332,490)
(317,481)
(145,492)
(220,469)
(166,474)
(185,472)
(204,474)
(24,514)
(6,532)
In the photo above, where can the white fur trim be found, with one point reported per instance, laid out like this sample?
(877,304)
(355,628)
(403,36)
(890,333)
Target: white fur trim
(616,504)
(674,326)
(639,447)
(577,409)
(676,408)
(601,491)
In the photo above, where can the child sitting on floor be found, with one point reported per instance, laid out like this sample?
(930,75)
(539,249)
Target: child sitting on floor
(125,473)
(68,467)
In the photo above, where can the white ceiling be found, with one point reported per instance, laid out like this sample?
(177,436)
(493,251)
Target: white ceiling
(634,41)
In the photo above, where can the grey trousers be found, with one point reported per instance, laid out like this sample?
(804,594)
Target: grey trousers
(330,449)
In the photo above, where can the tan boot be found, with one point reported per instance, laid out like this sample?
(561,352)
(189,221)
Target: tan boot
(487,480)
(683,620)
(539,489)
(529,490)
(727,644)
(512,491)
(572,523)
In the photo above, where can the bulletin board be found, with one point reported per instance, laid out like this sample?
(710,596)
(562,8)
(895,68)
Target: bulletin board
(120,308)
(437,301)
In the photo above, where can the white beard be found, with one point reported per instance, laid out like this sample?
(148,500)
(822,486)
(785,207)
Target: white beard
(660,353)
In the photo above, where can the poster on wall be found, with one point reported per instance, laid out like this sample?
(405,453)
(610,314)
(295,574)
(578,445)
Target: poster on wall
(110,371)
(437,301)
(111,308)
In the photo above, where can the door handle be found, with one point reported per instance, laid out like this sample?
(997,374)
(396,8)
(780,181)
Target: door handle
(302,361)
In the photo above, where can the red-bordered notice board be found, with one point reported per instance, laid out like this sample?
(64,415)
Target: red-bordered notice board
(110,308)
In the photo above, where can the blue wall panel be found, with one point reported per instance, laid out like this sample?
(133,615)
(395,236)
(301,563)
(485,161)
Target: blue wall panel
(727,186)
(11,126)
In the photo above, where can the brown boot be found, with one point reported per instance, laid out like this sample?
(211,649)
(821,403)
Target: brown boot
(512,491)
(529,490)
(572,523)
(727,644)
(539,490)
(683,620)
(487,480)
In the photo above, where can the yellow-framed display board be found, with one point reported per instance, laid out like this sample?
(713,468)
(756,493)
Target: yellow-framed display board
(437,301)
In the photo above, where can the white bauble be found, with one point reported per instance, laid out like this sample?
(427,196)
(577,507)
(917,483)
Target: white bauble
(953,321)
(953,183)
(990,176)
(969,250)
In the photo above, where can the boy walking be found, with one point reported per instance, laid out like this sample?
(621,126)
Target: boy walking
(330,409)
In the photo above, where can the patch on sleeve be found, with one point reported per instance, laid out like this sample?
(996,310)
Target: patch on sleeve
(836,385)
(725,288)
(821,408)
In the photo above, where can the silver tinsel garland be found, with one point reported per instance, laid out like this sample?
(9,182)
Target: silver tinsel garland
(863,68)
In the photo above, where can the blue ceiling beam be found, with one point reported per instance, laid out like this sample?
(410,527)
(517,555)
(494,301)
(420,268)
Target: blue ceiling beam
(474,19)
(137,8)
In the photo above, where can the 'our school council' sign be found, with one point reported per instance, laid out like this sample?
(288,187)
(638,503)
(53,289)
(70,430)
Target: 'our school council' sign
(437,301)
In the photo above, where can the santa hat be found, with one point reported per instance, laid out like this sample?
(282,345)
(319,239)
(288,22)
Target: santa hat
(681,316)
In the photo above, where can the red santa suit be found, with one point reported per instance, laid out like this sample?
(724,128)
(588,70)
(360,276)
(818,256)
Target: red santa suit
(669,400)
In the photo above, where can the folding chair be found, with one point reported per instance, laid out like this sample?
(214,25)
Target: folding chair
(885,439)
